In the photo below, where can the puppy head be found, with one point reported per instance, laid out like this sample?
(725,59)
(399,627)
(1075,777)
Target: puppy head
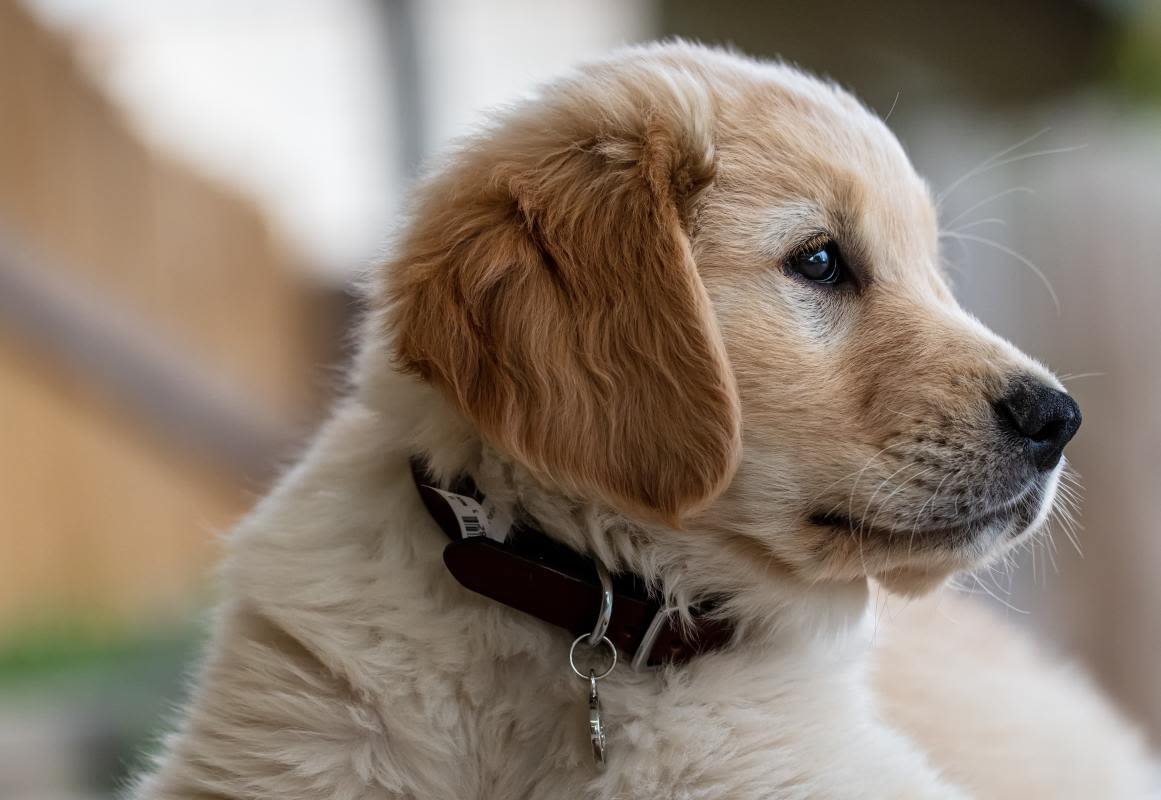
(704,290)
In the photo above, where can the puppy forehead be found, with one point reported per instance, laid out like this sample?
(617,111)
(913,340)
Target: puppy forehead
(797,154)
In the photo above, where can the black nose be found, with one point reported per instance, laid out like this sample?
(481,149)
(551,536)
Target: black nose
(1044,418)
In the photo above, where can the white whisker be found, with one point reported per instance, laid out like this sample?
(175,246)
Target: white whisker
(919,514)
(1079,375)
(879,488)
(996,162)
(977,223)
(1018,256)
(896,491)
(989,199)
(983,165)
(995,596)
(894,103)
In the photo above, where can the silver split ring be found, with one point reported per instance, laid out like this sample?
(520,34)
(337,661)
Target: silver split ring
(592,675)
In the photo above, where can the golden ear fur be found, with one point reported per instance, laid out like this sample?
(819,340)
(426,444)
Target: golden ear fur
(546,285)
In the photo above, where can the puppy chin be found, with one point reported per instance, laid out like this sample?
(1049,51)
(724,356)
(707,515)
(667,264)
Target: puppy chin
(921,576)
(912,581)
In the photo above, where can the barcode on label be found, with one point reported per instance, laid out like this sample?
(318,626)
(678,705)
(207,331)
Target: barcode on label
(475,518)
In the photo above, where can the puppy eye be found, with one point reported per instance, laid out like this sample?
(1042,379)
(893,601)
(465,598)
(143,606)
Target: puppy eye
(820,264)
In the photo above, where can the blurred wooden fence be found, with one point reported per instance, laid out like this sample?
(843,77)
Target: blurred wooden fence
(157,349)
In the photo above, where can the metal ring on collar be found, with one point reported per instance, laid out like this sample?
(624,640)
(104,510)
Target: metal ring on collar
(572,661)
(605,614)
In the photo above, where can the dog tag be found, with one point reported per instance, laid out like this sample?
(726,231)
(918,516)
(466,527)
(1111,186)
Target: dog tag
(596,725)
(596,732)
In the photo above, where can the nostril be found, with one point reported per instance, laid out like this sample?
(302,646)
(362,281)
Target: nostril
(1050,431)
(1008,416)
(1018,413)
(1044,418)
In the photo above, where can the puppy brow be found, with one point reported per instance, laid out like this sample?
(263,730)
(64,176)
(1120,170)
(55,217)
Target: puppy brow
(786,227)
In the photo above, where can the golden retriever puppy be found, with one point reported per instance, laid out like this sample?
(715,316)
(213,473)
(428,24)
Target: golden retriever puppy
(681,316)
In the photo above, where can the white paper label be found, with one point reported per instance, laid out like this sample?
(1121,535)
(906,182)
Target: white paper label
(477,519)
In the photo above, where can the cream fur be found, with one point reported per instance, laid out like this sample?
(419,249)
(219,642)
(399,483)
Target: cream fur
(347,663)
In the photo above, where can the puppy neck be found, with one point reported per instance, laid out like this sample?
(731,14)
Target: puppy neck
(762,597)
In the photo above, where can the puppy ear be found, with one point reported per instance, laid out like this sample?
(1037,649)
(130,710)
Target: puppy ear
(547,285)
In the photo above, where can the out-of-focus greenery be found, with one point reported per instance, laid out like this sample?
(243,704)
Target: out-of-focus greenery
(1136,56)
(113,687)
(68,649)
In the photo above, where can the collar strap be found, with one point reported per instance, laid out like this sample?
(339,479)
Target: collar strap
(520,566)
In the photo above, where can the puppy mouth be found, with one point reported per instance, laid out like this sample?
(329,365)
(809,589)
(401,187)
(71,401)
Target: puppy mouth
(944,536)
(1013,516)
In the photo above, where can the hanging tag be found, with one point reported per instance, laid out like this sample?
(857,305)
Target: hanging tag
(596,724)
(476,518)
(596,732)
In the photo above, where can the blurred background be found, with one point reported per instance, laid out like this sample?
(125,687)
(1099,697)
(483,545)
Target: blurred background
(187,188)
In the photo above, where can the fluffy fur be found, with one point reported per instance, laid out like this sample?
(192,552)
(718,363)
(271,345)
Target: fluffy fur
(587,312)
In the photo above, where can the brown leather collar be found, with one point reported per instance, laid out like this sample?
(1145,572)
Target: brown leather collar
(532,573)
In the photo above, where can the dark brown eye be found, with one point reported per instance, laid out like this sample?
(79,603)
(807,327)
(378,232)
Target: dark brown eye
(820,265)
